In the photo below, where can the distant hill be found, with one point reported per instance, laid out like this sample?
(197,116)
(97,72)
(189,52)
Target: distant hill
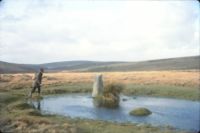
(182,63)
(6,67)
(76,65)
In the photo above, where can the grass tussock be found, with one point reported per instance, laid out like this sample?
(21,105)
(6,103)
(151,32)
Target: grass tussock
(110,97)
(113,88)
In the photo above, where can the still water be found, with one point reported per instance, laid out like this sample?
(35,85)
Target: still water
(181,114)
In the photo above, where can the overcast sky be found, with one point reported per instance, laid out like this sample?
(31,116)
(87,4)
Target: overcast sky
(40,31)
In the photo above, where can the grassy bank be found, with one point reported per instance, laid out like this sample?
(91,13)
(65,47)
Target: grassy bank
(17,116)
(171,91)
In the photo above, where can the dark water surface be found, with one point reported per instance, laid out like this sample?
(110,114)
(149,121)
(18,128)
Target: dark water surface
(181,114)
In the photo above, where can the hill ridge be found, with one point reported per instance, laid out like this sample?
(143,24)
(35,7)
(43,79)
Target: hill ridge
(179,63)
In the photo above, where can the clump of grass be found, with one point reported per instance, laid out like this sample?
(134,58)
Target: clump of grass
(110,97)
(113,88)
(140,112)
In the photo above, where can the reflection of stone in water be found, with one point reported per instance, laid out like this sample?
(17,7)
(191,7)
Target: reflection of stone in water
(97,86)
(96,103)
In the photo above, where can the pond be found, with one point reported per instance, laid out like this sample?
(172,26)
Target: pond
(181,114)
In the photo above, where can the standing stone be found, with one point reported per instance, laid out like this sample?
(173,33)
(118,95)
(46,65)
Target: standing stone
(97,86)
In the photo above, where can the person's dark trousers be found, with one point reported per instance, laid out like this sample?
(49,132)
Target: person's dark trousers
(36,87)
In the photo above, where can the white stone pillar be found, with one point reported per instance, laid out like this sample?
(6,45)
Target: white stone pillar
(97,86)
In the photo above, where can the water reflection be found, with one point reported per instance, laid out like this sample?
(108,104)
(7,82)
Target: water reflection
(36,104)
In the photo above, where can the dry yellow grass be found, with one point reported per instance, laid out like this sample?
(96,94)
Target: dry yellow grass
(178,78)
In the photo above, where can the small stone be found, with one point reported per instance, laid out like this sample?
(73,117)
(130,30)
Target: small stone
(124,99)
(134,97)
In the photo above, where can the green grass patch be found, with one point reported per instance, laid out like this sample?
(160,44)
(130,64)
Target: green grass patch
(6,98)
(67,88)
(179,92)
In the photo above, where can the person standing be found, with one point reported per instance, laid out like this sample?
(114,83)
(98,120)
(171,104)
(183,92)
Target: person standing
(37,82)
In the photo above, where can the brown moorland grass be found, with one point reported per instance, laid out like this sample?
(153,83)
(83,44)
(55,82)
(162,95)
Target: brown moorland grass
(174,84)
(177,78)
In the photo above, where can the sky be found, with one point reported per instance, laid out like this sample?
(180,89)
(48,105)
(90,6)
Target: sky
(41,31)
